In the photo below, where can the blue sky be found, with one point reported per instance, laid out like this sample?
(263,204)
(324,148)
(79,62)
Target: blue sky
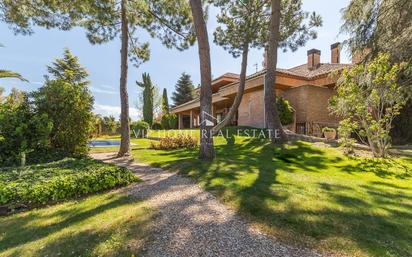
(29,56)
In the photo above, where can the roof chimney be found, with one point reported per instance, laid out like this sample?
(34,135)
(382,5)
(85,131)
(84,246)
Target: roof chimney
(313,59)
(335,53)
(359,55)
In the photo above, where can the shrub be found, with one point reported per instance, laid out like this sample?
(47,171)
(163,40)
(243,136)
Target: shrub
(346,141)
(157,126)
(172,121)
(368,98)
(169,121)
(285,111)
(22,129)
(140,128)
(326,129)
(179,142)
(165,121)
(41,184)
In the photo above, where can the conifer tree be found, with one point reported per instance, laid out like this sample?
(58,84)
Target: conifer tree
(68,69)
(148,97)
(183,90)
(165,102)
(68,102)
(207,150)
(104,21)
(289,27)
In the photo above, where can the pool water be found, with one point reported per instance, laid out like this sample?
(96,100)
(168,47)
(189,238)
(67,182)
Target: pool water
(103,143)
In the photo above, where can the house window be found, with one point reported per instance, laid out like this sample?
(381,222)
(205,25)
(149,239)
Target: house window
(301,128)
(218,117)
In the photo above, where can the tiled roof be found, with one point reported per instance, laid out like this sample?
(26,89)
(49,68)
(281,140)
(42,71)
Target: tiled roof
(324,68)
(231,75)
(299,71)
(303,72)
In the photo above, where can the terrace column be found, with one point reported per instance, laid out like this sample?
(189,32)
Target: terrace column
(191,119)
(213,113)
(180,120)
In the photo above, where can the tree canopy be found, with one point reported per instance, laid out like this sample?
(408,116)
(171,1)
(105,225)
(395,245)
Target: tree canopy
(380,26)
(169,21)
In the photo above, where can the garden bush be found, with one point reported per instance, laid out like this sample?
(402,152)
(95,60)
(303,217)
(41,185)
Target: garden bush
(172,121)
(327,129)
(169,121)
(165,121)
(22,129)
(285,111)
(157,126)
(45,183)
(179,142)
(140,128)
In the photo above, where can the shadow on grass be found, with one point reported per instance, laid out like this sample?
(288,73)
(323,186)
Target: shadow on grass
(380,167)
(368,219)
(63,230)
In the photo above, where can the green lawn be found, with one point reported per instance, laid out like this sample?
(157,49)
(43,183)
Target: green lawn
(305,194)
(109,224)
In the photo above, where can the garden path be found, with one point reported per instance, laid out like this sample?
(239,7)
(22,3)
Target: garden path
(192,222)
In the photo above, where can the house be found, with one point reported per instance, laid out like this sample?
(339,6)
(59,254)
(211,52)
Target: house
(307,87)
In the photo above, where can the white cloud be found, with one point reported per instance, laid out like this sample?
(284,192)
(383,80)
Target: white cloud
(107,110)
(103,90)
(106,86)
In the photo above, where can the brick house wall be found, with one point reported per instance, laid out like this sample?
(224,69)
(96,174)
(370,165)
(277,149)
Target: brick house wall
(310,103)
(251,110)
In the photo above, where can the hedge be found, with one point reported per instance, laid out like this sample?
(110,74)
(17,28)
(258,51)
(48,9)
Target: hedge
(41,184)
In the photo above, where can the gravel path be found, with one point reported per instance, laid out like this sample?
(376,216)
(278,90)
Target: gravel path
(192,222)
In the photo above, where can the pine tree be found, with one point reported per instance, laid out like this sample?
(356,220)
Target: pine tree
(148,95)
(68,69)
(68,102)
(287,29)
(183,90)
(207,150)
(165,102)
(104,21)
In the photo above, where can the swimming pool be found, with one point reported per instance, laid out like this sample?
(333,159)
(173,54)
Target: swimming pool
(104,143)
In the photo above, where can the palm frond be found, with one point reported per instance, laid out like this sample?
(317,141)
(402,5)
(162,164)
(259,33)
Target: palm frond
(11,74)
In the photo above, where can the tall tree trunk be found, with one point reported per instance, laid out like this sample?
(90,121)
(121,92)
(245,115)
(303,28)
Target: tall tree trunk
(240,91)
(272,119)
(124,97)
(207,150)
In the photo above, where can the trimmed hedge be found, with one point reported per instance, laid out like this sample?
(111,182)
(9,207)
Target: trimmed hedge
(140,128)
(41,184)
(179,142)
